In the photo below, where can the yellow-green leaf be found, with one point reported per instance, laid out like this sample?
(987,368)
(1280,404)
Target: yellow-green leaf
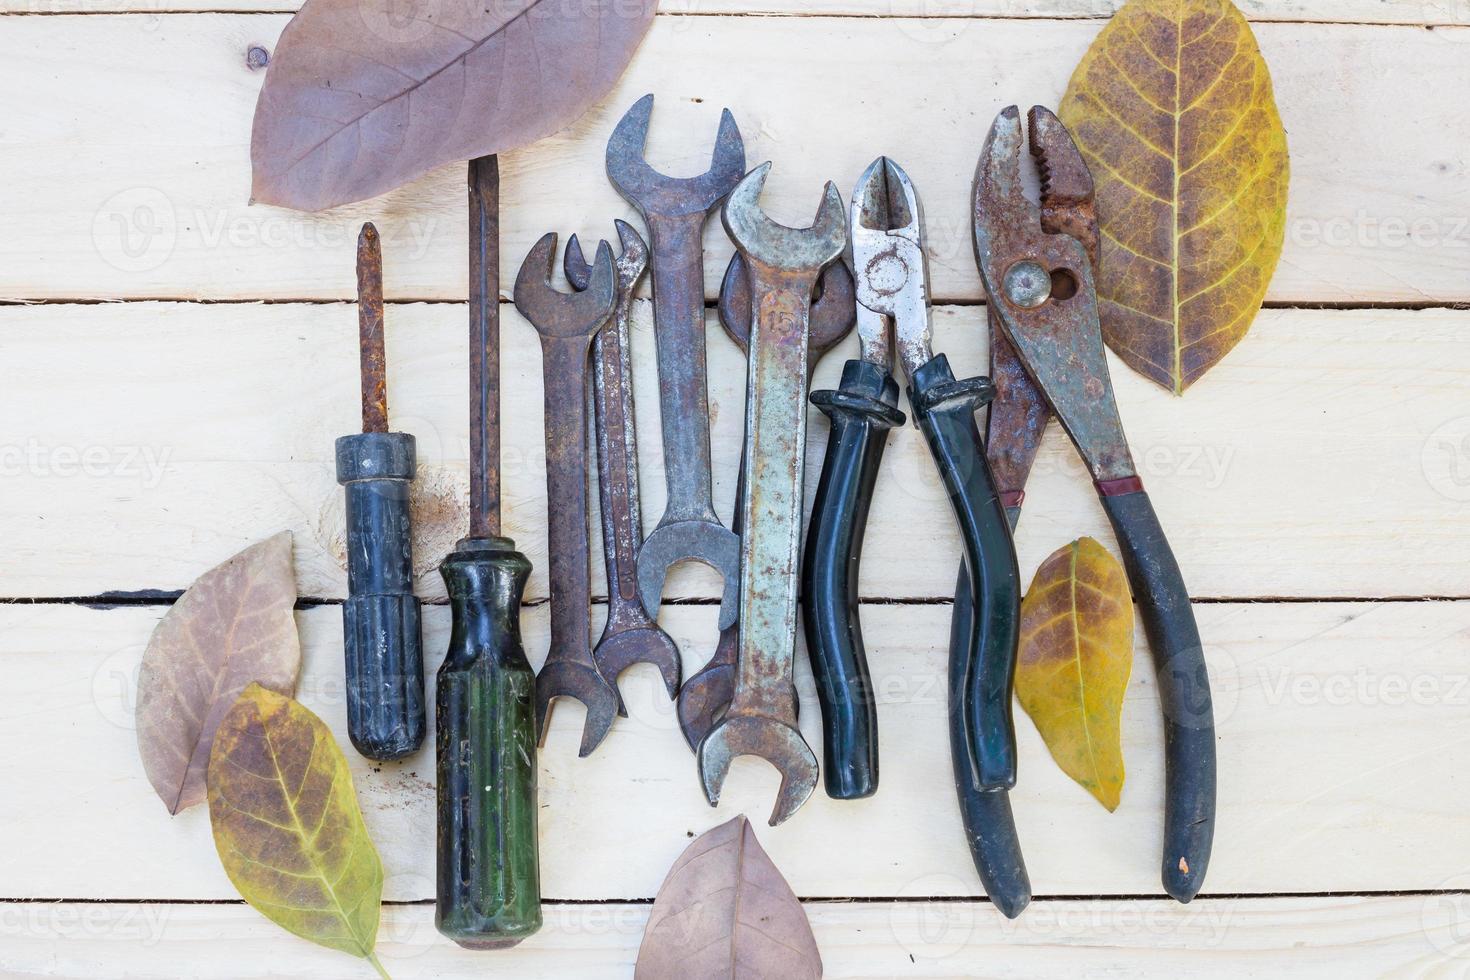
(1075,658)
(1173,109)
(287,826)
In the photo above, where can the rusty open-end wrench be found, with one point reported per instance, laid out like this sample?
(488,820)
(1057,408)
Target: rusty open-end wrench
(566,323)
(783,265)
(675,210)
(630,636)
(705,696)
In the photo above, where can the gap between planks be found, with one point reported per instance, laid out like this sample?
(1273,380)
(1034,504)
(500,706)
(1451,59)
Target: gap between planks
(1254,18)
(124,600)
(819,900)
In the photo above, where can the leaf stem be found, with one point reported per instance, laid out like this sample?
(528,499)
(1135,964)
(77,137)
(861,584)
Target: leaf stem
(372,957)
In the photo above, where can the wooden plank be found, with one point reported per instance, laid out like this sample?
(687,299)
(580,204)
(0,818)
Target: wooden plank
(158,121)
(1340,730)
(1322,458)
(1325,938)
(1415,12)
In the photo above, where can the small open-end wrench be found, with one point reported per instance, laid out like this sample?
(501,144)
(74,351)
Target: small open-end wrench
(705,696)
(567,323)
(675,210)
(630,636)
(782,265)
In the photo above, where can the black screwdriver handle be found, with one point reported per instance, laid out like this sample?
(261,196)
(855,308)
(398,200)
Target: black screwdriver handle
(990,827)
(488,883)
(1184,685)
(945,409)
(862,410)
(380,619)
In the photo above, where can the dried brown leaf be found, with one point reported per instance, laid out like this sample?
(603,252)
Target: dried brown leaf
(1173,109)
(724,911)
(233,626)
(365,95)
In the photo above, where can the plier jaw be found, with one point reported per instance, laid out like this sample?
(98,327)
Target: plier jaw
(886,228)
(1037,266)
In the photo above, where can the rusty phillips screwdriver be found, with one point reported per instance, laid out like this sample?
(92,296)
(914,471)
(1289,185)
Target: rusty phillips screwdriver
(380,619)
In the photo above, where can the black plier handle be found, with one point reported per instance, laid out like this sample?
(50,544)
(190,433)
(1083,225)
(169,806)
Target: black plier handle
(862,411)
(944,409)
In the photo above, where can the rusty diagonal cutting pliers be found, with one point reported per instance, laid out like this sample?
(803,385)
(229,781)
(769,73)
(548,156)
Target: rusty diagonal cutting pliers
(1047,358)
(891,279)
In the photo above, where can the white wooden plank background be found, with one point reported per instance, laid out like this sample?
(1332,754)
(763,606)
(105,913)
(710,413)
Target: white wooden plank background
(1324,938)
(1413,12)
(1337,722)
(1314,485)
(152,203)
(1319,460)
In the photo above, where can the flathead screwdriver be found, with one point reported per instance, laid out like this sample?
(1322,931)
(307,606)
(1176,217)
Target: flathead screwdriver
(380,619)
(489,890)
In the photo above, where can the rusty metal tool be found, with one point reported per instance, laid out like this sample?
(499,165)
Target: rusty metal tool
(382,644)
(1037,267)
(566,323)
(783,265)
(675,211)
(705,696)
(631,635)
(488,876)
(892,287)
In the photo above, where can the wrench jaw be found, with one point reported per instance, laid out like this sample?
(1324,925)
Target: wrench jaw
(704,697)
(834,311)
(632,262)
(569,679)
(703,541)
(650,191)
(777,742)
(617,651)
(776,245)
(557,314)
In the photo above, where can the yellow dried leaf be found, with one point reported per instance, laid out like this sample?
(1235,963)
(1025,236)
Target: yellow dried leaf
(1075,658)
(287,825)
(1173,109)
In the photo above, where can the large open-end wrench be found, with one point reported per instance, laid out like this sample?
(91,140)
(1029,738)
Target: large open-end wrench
(783,265)
(675,210)
(706,695)
(567,323)
(630,636)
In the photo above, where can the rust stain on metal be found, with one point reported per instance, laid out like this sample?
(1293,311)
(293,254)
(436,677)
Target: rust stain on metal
(371,350)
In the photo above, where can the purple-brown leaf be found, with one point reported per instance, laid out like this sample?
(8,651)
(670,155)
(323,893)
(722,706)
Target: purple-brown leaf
(233,626)
(365,95)
(723,912)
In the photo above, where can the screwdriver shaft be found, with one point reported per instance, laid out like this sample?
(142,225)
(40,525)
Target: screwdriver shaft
(370,330)
(484,189)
